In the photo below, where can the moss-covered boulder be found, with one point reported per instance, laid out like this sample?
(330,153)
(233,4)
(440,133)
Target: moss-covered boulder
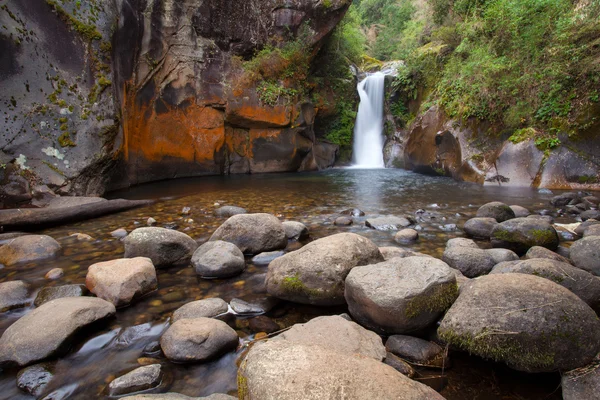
(497,210)
(530,323)
(521,234)
(315,274)
(401,295)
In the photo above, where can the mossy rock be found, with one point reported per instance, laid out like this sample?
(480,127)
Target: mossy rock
(521,234)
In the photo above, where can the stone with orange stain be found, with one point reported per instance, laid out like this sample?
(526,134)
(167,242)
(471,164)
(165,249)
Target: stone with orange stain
(247,112)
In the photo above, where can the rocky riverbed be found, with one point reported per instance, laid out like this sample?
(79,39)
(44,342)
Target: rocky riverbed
(251,288)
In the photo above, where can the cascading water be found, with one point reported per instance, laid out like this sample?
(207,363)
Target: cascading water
(368,130)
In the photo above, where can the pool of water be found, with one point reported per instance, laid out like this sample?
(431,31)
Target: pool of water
(316,199)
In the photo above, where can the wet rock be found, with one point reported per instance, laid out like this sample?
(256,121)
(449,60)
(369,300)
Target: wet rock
(263,324)
(7,237)
(197,340)
(354,212)
(480,227)
(593,230)
(590,214)
(54,274)
(520,212)
(253,233)
(521,234)
(448,227)
(122,281)
(585,285)
(142,378)
(119,233)
(585,254)
(58,292)
(418,351)
(392,252)
(502,255)
(34,380)
(399,365)
(542,252)
(471,262)
(389,223)
(406,236)
(582,384)
(13,294)
(28,248)
(580,230)
(461,242)
(266,257)
(497,210)
(152,348)
(315,274)
(343,221)
(150,221)
(522,320)
(48,330)
(164,247)
(564,199)
(334,333)
(82,237)
(279,369)
(218,259)
(544,218)
(400,295)
(295,230)
(229,211)
(245,308)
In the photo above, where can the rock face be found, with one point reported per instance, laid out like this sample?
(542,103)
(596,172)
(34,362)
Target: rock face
(585,254)
(521,234)
(497,210)
(517,164)
(46,331)
(206,308)
(218,259)
(165,247)
(252,233)
(197,340)
(315,274)
(13,294)
(143,378)
(522,320)
(400,295)
(337,334)
(28,248)
(122,281)
(281,370)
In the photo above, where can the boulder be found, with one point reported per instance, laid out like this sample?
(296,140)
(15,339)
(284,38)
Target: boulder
(122,281)
(417,351)
(471,262)
(585,254)
(590,214)
(502,255)
(165,247)
(206,308)
(389,223)
(58,292)
(337,334)
(520,212)
(295,230)
(28,248)
(461,242)
(497,210)
(542,252)
(315,274)
(400,295)
(343,221)
(218,259)
(564,199)
(252,233)
(266,257)
(580,230)
(480,227)
(243,307)
(13,294)
(34,380)
(142,378)
(585,285)
(354,212)
(48,330)
(521,234)
(197,340)
(229,211)
(523,321)
(593,230)
(392,252)
(399,365)
(406,236)
(281,370)
(583,383)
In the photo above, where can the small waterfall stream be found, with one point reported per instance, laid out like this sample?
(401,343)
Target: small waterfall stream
(368,130)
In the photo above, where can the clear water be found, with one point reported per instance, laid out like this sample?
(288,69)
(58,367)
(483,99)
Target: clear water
(312,198)
(368,130)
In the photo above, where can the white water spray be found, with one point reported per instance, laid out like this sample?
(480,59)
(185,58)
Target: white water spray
(368,130)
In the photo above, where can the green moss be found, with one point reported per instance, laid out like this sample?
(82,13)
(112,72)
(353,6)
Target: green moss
(242,383)
(54,168)
(293,284)
(543,235)
(505,235)
(439,301)
(89,32)
(64,140)
(64,127)
(63,120)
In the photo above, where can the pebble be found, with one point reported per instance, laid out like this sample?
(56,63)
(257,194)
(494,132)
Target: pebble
(54,274)
(151,221)
(119,233)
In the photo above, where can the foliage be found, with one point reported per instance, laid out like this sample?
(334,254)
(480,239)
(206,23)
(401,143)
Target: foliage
(340,130)
(270,92)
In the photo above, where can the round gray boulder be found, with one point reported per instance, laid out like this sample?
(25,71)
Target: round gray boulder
(497,210)
(218,259)
(165,247)
(229,211)
(295,230)
(406,236)
(197,340)
(28,248)
(470,261)
(142,378)
(400,295)
(252,233)
(580,230)
(521,234)
(593,230)
(585,254)
(315,274)
(530,323)
(13,294)
(57,292)
(205,308)
(502,255)
(520,212)
(542,252)
(461,242)
(480,227)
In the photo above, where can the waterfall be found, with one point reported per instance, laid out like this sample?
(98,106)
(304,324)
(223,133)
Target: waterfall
(368,130)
